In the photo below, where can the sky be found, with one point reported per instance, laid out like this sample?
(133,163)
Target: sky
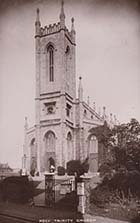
(107,58)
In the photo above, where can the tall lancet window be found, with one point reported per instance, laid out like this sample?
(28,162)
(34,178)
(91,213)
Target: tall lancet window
(51,62)
(93,144)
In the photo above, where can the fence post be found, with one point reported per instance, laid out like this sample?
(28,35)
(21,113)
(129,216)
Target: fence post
(49,189)
(83,192)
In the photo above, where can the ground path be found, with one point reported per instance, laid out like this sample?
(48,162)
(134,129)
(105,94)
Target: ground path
(99,219)
(50,215)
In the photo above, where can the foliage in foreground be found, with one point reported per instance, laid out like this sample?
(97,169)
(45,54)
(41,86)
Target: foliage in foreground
(121,174)
(18,189)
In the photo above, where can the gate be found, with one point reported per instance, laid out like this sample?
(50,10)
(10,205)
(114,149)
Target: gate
(49,189)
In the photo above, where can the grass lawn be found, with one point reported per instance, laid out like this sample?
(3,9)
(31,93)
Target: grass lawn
(115,211)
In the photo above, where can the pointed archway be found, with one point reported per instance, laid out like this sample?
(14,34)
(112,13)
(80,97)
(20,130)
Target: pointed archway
(69,147)
(49,152)
(93,153)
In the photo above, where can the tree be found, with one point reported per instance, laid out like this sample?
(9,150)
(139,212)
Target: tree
(103,134)
(125,140)
(120,174)
(126,146)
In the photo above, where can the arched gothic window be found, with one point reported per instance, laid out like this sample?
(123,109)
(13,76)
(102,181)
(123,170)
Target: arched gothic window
(50,51)
(50,142)
(49,154)
(69,146)
(32,147)
(69,137)
(93,144)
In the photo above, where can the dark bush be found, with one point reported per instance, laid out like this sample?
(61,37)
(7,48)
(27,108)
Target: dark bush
(85,165)
(61,171)
(122,184)
(135,220)
(32,172)
(17,189)
(125,181)
(105,169)
(100,195)
(75,166)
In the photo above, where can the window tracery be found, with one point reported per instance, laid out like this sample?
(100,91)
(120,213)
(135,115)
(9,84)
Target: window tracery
(50,51)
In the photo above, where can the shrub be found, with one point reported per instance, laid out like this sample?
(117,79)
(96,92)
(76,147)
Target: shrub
(85,165)
(32,172)
(105,170)
(135,219)
(75,166)
(126,181)
(17,189)
(61,171)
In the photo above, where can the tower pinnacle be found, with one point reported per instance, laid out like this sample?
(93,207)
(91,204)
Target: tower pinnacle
(80,90)
(62,15)
(37,16)
(72,25)
(73,30)
(37,23)
(104,112)
(26,123)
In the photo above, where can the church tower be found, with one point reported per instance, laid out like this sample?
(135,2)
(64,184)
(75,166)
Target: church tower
(55,93)
(65,127)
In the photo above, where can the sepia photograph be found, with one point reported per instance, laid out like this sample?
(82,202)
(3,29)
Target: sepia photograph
(70,111)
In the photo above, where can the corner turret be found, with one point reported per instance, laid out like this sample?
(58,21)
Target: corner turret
(37,23)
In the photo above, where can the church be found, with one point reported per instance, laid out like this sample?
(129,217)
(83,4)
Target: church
(62,122)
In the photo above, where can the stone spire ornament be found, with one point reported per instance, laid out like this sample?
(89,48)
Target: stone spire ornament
(37,23)
(104,112)
(26,123)
(111,119)
(115,120)
(62,15)
(72,25)
(37,15)
(73,30)
(80,90)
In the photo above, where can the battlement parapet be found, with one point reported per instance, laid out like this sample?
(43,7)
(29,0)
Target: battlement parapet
(50,29)
(53,28)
